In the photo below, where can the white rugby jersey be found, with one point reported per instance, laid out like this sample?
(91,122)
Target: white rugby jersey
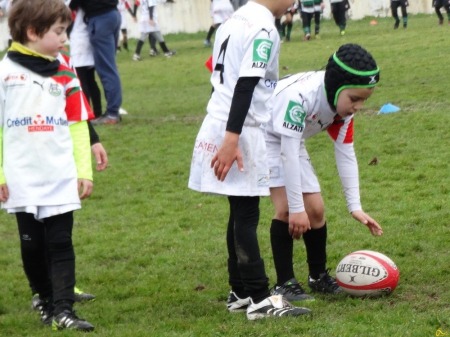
(299,109)
(123,6)
(144,25)
(35,114)
(221,10)
(246,45)
(221,5)
(81,50)
(307,6)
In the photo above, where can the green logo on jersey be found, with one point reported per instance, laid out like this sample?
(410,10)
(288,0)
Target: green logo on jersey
(261,50)
(54,90)
(295,117)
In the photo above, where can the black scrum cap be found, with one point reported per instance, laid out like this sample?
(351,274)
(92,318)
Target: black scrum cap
(350,67)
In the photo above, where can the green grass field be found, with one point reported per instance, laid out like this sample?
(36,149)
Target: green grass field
(146,244)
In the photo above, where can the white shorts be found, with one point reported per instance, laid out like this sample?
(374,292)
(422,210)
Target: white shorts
(310,183)
(221,10)
(123,24)
(254,181)
(146,27)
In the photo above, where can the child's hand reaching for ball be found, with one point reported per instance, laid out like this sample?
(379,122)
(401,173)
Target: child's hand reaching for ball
(365,219)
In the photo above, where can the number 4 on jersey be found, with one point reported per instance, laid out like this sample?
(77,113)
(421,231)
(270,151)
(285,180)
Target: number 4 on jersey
(221,59)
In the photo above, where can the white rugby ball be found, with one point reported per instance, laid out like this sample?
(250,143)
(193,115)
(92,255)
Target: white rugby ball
(367,273)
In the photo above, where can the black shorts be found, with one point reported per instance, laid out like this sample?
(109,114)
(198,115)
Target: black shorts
(403,3)
(440,3)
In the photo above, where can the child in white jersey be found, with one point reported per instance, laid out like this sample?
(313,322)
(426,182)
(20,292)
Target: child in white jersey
(229,156)
(311,9)
(124,6)
(307,13)
(149,26)
(45,163)
(302,106)
(220,11)
(100,156)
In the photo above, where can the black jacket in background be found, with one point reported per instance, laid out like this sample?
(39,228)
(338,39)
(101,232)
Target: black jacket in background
(94,7)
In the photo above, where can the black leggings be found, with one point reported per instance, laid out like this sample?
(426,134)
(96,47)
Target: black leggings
(90,88)
(438,4)
(338,9)
(317,22)
(48,256)
(395,5)
(306,19)
(245,266)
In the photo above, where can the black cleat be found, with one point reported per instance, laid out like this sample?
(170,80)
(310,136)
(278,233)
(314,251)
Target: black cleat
(324,284)
(292,291)
(45,309)
(274,306)
(80,296)
(68,320)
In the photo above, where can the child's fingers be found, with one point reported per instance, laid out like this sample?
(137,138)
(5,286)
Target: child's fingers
(240,163)
(374,227)
(376,230)
(224,172)
(4,193)
(220,170)
(102,161)
(213,161)
(85,187)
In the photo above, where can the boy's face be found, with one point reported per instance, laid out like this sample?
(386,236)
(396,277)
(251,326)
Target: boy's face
(51,42)
(351,100)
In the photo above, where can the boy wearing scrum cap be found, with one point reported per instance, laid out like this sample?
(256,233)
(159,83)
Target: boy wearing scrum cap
(302,106)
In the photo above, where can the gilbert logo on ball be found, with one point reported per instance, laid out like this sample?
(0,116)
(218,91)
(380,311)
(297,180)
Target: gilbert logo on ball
(367,273)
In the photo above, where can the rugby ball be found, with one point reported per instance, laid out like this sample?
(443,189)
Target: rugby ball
(367,273)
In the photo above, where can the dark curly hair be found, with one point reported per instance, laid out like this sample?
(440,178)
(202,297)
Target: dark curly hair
(350,67)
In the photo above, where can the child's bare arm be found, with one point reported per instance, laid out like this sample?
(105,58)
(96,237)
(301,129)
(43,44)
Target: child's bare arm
(229,150)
